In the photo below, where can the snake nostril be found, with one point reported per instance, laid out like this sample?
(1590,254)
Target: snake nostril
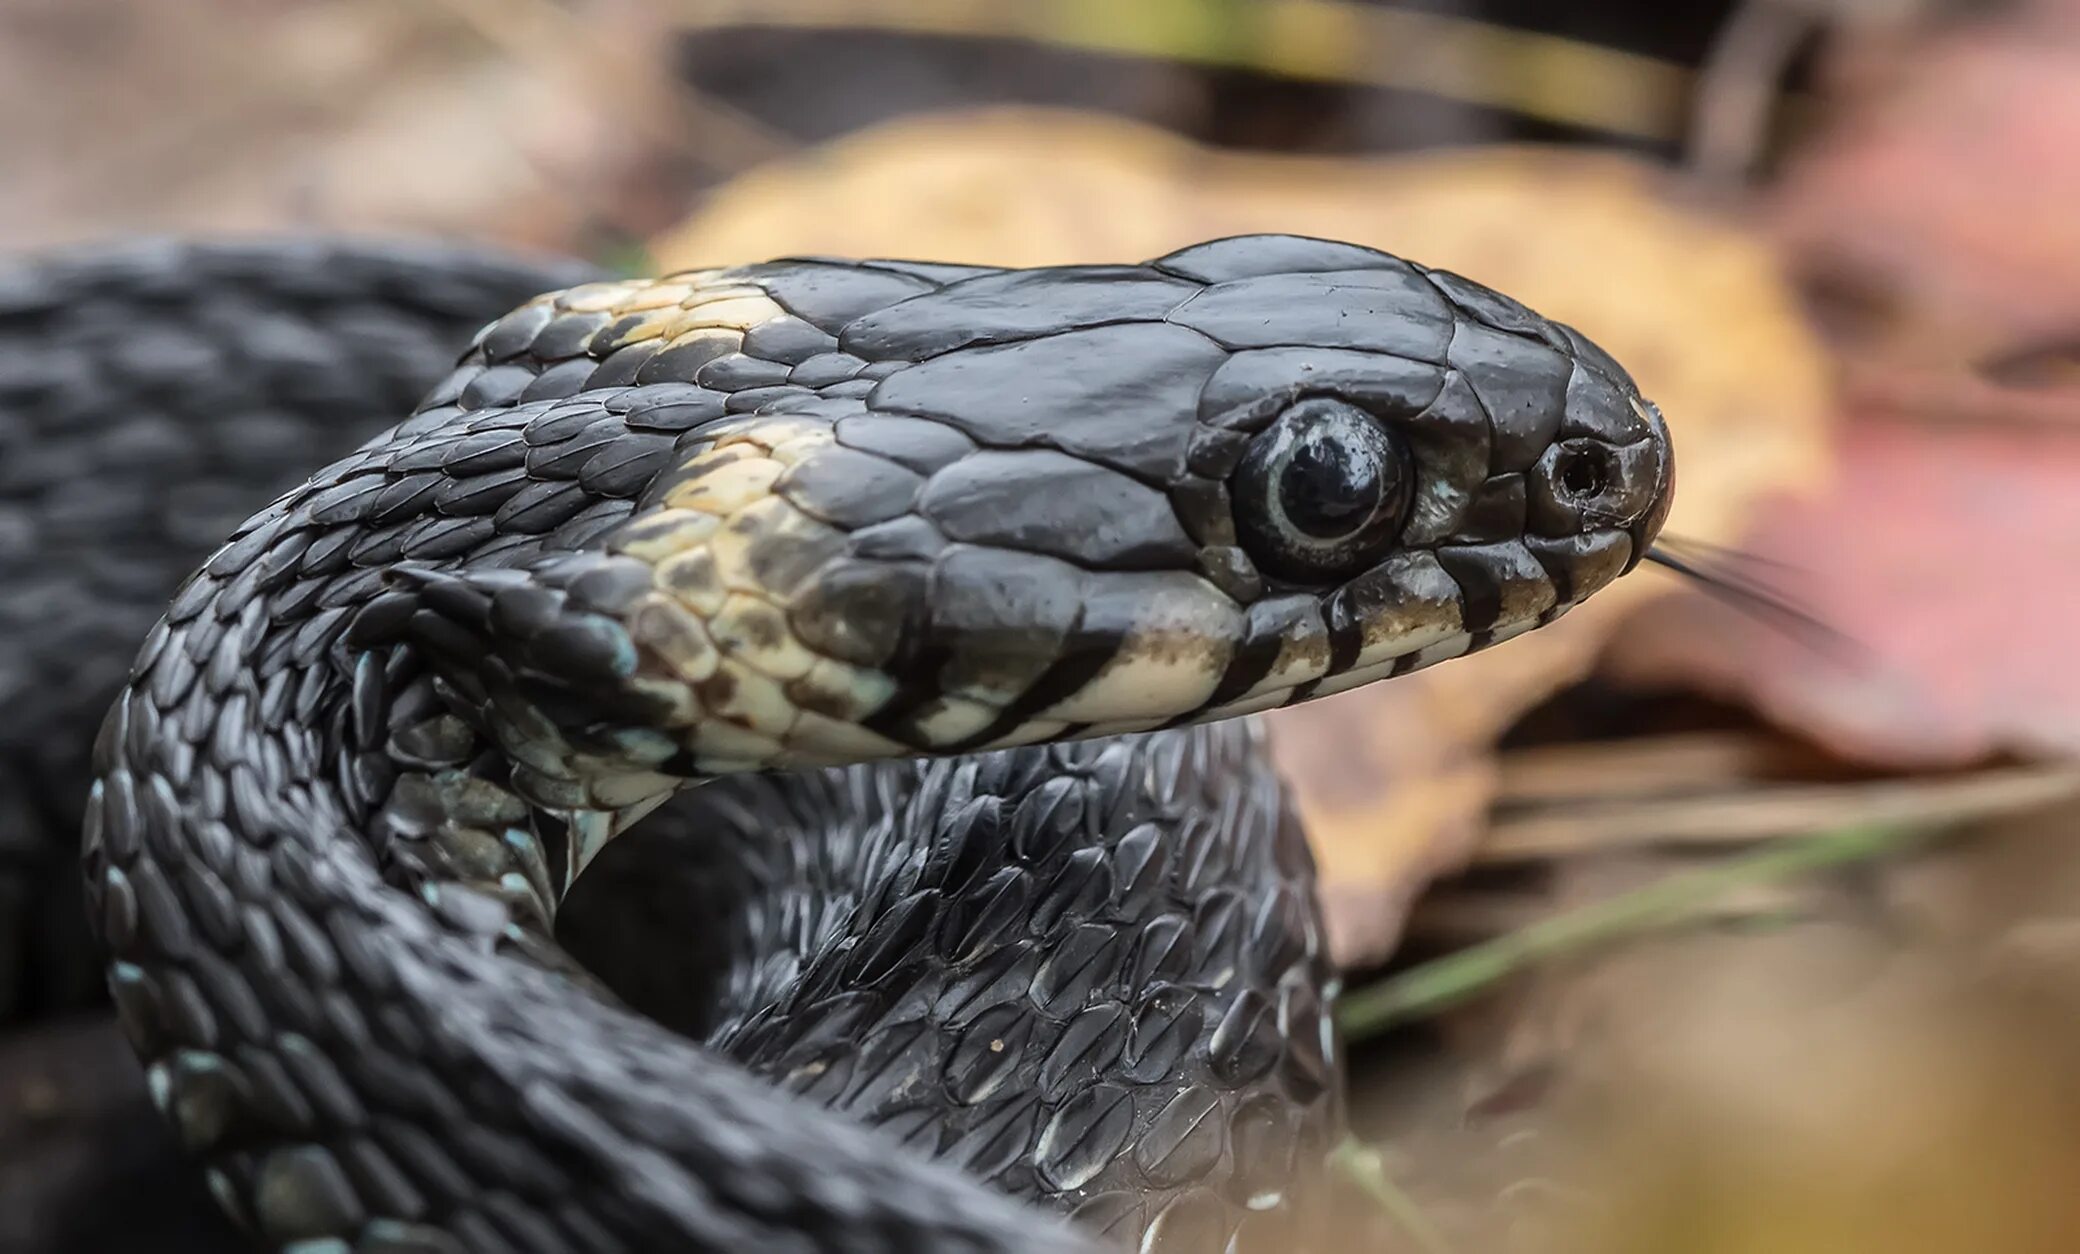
(1583,473)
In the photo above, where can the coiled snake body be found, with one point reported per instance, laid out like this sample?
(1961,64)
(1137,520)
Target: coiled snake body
(942,575)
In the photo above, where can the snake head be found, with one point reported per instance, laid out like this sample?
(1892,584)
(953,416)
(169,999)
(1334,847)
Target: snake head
(914,508)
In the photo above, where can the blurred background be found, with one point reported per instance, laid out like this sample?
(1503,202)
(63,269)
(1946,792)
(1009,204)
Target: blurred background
(1669,927)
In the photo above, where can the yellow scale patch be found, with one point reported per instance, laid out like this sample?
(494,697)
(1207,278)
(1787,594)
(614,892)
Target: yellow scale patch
(749,693)
(740,688)
(692,307)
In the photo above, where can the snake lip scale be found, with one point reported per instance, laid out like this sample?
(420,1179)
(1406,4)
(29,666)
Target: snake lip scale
(988,926)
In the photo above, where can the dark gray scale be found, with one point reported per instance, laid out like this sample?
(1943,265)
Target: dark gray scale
(937,272)
(922,444)
(1041,501)
(569,334)
(787,339)
(1522,384)
(584,431)
(1588,350)
(824,369)
(625,469)
(1596,408)
(553,424)
(1248,256)
(488,494)
(1385,384)
(1387,310)
(852,389)
(478,387)
(539,507)
(562,379)
(1065,392)
(1492,309)
(1002,619)
(850,489)
(621,368)
(908,538)
(1204,509)
(779,398)
(513,335)
(671,408)
(740,372)
(828,405)
(1499,511)
(1005,306)
(671,363)
(827,295)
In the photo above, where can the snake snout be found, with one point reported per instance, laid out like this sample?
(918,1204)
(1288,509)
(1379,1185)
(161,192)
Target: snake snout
(1647,527)
(1604,484)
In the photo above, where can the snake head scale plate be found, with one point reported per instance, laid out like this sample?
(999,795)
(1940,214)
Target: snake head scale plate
(895,508)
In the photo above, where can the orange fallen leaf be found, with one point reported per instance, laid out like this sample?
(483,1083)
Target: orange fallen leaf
(1393,781)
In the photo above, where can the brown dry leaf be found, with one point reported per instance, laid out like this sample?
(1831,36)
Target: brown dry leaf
(1740,1089)
(1945,554)
(1924,1114)
(1394,781)
(1933,216)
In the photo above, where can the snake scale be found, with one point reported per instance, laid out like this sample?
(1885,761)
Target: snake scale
(983,930)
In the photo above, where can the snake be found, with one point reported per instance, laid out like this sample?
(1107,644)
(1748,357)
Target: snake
(760,757)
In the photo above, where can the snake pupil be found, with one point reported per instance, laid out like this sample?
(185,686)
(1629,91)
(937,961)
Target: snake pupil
(1322,490)
(1330,486)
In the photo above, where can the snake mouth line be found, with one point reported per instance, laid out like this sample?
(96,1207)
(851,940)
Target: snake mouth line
(1504,591)
(1144,650)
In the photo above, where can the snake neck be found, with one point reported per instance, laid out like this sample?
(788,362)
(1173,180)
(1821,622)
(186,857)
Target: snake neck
(361,1062)
(185,380)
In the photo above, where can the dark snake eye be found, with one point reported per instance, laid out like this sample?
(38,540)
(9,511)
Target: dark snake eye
(1322,491)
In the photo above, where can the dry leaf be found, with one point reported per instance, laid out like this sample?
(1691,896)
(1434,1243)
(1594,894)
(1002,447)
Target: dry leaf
(1945,555)
(1933,216)
(1395,780)
(1921,1115)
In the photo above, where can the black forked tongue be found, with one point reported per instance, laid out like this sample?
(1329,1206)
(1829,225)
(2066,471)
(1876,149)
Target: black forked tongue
(1728,576)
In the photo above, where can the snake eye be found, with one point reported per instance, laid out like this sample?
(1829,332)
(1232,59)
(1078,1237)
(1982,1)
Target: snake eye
(1321,491)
